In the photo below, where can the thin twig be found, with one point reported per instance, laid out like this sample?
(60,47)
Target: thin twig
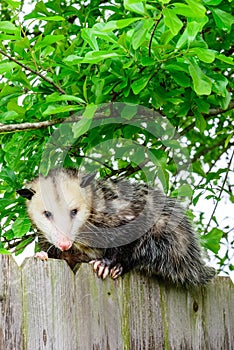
(152,35)
(34,72)
(220,192)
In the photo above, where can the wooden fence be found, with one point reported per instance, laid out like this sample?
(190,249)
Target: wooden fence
(45,306)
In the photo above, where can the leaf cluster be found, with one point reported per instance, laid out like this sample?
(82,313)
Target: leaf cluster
(92,65)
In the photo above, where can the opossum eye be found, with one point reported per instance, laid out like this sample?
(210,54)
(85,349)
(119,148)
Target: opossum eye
(47,214)
(73,213)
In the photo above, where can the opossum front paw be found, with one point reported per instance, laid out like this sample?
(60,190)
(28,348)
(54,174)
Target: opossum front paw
(41,255)
(104,267)
(101,267)
(116,271)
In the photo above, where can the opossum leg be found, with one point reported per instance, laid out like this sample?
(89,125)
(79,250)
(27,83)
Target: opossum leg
(41,255)
(104,267)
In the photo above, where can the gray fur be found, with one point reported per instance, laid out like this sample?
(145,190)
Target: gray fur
(132,226)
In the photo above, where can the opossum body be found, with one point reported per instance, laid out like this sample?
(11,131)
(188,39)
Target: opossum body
(115,225)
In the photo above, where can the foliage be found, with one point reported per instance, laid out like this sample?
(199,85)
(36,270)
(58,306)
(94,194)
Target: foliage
(65,58)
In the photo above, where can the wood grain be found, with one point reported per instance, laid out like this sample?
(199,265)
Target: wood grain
(45,306)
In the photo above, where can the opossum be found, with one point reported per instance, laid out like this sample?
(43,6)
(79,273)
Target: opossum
(115,225)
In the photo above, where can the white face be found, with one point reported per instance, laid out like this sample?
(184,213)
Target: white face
(59,208)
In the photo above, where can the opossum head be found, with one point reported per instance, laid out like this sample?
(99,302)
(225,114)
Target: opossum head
(59,205)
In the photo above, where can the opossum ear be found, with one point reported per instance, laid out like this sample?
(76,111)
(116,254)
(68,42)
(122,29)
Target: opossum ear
(87,179)
(26,193)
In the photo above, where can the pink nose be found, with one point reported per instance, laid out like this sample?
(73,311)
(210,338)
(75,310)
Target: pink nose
(64,245)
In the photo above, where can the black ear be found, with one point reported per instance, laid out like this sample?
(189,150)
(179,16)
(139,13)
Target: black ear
(26,193)
(87,179)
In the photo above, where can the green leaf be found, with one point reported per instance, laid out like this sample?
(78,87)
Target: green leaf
(223,20)
(51,18)
(177,66)
(220,83)
(183,9)
(158,157)
(7,67)
(191,31)
(8,27)
(122,23)
(114,25)
(139,84)
(163,177)
(22,245)
(212,239)
(181,78)
(140,32)
(88,36)
(172,21)
(129,111)
(98,56)
(8,175)
(225,59)
(73,59)
(200,122)
(91,57)
(228,139)
(49,40)
(56,110)
(81,127)
(203,106)
(171,144)
(14,3)
(138,156)
(197,8)
(21,226)
(197,168)
(188,10)
(4,251)
(204,55)
(202,84)
(212,2)
(90,111)
(183,191)
(55,97)
(135,6)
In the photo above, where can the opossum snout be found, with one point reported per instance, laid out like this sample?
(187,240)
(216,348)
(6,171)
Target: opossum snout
(64,245)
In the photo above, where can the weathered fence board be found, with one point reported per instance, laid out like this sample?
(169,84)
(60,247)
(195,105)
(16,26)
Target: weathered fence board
(11,306)
(45,306)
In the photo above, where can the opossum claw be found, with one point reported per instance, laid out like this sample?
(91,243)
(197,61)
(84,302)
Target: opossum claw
(116,271)
(105,272)
(101,267)
(96,265)
(41,255)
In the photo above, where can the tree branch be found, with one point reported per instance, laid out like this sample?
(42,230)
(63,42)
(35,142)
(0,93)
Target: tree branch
(212,113)
(220,192)
(34,72)
(6,128)
(208,149)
